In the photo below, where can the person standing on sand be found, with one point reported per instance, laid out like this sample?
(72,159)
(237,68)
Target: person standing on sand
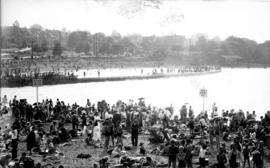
(257,159)
(106,133)
(182,156)
(202,155)
(211,134)
(183,113)
(31,140)
(190,112)
(75,122)
(118,134)
(98,73)
(111,130)
(88,106)
(134,133)
(189,155)
(221,158)
(233,157)
(203,125)
(173,152)
(5,101)
(14,142)
(96,132)
(246,154)
(84,123)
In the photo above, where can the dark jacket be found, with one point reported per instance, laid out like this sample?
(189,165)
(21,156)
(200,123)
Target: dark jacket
(31,140)
(135,129)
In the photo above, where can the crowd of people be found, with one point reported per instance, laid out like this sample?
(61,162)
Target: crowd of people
(47,124)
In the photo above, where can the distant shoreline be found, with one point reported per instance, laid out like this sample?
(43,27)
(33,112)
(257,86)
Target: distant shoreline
(72,63)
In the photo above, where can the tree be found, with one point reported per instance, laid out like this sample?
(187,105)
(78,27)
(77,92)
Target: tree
(160,53)
(44,45)
(73,40)
(117,49)
(24,44)
(86,48)
(36,48)
(177,48)
(57,49)
(79,40)
(127,45)
(105,48)
(239,46)
(16,24)
(15,35)
(261,54)
(36,29)
(116,36)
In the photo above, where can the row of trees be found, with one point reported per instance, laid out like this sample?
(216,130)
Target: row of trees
(198,49)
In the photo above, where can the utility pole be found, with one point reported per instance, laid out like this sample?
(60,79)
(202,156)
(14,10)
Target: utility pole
(0,53)
(37,43)
(32,54)
(96,44)
(60,38)
(203,94)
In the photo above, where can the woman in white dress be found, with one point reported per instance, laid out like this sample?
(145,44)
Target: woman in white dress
(96,131)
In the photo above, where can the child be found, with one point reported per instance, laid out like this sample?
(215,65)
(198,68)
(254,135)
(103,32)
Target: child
(246,156)
(202,155)
(142,150)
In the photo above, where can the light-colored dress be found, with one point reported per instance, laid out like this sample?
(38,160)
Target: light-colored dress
(97,133)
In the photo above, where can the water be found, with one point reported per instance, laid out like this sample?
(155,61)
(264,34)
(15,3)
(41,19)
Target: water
(246,89)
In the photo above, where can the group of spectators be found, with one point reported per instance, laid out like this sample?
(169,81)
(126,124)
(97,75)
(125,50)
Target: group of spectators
(45,125)
(239,138)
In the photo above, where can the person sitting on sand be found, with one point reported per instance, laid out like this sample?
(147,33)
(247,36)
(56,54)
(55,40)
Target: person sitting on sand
(4,160)
(27,162)
(63,135)
(117,151)
(53,129)
(44,144)
(142,150)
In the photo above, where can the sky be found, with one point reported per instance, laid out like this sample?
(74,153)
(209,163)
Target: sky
(222,18)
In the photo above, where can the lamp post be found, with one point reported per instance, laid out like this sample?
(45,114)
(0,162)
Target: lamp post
(203,94)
